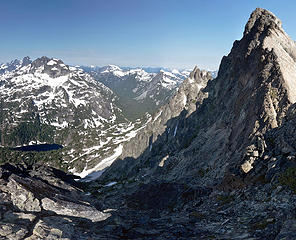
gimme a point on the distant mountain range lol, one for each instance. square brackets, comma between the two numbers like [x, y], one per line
[47, 101]
[139, 91]
[90, 111]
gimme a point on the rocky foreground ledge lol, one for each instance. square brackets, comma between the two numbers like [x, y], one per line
[38, 202]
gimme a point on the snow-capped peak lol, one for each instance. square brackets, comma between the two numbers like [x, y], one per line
[3, 66]
[111, 68]
[117, 71]
[52, 62]
[175, 71]
[140, 74]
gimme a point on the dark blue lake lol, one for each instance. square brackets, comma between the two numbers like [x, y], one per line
[39, 147]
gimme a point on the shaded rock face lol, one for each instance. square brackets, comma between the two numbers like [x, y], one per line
[163, 195]
[278, 162]
[53, 67]
[168, 131]
[183, 102]
[250, 96]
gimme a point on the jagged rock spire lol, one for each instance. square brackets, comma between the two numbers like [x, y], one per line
[261, 19]
[26, 61]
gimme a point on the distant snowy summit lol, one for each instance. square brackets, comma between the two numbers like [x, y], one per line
[14, 64]
[44, 83]
[140, 90]
[141, 74]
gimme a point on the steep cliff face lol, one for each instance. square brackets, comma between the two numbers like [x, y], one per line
[222, 134]
[184, 101]
[251, 95]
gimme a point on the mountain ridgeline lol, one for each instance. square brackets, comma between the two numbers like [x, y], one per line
[218, 161]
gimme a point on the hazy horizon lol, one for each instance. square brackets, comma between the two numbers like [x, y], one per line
[133, 33]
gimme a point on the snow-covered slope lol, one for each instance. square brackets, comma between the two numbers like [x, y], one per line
[47, 101]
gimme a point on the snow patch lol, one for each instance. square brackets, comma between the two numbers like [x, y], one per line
[157, 116]
[150, 147]
[3, 66]
[168, 74]
[142, 96]
[89, 175]
[191, 80]
[175, 71]
[51, 62]
[175, 131]
[184, 100]
[64, 124]
[110, 184]
[72, 68]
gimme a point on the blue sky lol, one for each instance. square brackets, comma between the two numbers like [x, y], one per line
[166, 33]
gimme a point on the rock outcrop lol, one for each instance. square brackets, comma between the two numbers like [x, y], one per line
[38, 202]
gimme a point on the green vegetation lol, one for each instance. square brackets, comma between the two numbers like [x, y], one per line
[261, 225]
[273, 93]
[53, 158]
[288, 178]
[224, 199]
[197, 215]
[271, 141]
[202, 172]
[28, 131]
[193, 101]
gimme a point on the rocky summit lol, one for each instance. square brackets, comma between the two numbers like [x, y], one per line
[216, 162]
